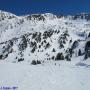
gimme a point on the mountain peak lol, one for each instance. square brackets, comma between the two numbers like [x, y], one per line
[7, 15]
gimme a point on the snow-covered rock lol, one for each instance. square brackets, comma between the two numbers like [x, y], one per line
[33, 37]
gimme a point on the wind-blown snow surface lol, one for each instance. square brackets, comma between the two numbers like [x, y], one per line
[50, 76]
[41, 37]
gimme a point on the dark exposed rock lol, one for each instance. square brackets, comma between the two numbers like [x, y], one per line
[59, 56]
[36, 17]
[23, 44]
[21, 59]
[75, 44]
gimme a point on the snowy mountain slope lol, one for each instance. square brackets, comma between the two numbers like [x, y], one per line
[59, 44]
[41, 36]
